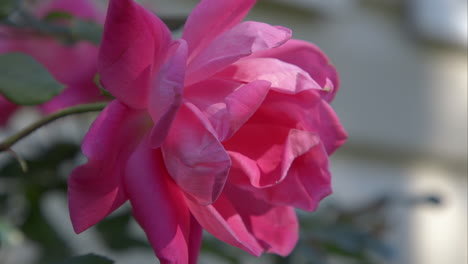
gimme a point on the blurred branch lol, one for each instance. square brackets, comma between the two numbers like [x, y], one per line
[84, 108]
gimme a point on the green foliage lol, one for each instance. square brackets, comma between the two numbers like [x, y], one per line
[24, 81]
[87, 259]
[31, 187]
[6, 7]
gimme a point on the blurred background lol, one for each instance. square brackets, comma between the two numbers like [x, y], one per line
[400, 182]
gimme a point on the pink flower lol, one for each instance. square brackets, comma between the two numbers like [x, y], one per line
[226, 129]
[73, 65]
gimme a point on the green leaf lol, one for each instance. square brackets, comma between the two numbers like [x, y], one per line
[26, 82]
[87, 259]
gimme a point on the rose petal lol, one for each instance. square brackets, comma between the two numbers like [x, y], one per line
[308, 176]
[284, 77]
[223, 222]
[242, 40]
[94, 189]
[275, 227]
[306, 111]
[158, 205]
[310, 58]
[166, 95]
[194, 157]
[210, 18]
[228, 105]
[275, 150]
[133, 47]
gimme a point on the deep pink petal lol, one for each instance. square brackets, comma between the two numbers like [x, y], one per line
[242, 40]
[223, 222]
[159, 206]
[166, 94]
[311, 59]
[210, 18]
[228, 105]
[7, 108]
[309, 177]
[133, 47]
[94, 189]
[275, 227]
[284, 77]
[276, 148]
[194, 157]
[306, 111]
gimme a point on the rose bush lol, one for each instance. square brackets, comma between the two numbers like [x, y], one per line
[73, 65]
[227, 129]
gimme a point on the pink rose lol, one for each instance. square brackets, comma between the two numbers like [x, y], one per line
[72, 65]
[227, 129]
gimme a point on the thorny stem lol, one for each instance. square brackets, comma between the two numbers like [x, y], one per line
[84, 108]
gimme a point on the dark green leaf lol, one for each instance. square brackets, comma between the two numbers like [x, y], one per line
[87, 259]
[58, 15]
[6, 7]
[26, 82]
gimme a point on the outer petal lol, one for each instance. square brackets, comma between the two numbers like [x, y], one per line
[133, 47]
[194, 157]
[222, 221]
[275, 227]
[6, 110]
[310, 58]
[211, 18]
[242, 40]
[265, 152]
[284, 77]
[228, 105]
[166, 95]
[94, 189]
[159, 207]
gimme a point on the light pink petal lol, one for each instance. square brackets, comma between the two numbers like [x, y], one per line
[159, 206]
[266, 152]
[94, 189]
[6, 110]
[309, 177]
[134, 45]
[210, 18]
[228, 105]
[242, 40]
[166, 95]
[284, 77]
[311, 59]
[194, 157]
[275, 227]
[223, 222]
